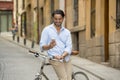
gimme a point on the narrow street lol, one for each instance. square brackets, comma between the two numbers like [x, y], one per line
[15, 63]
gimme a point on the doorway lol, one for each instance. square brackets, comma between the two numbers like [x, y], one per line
[5, 20]
[23, 25]
[75, 40]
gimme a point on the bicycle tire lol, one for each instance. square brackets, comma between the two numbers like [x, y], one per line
[80, 76]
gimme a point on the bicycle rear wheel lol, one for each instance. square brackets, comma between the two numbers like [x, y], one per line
[80, 76]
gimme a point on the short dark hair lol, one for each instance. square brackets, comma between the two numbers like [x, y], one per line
[58, 11]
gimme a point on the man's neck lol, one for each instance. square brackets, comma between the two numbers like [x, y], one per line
[57, 28]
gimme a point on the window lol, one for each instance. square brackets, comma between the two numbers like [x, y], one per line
[93, 18]
[42, 16]
[75, 40]
[23, 24]
[17, 11]
[75, 12]
[52, 8]
[118, 14]
[23, 5]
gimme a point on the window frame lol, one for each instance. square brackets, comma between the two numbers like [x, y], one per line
[92, 19]
[117, 14]
[76, 12]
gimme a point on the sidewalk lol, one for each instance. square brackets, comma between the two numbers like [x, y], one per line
[100, 71]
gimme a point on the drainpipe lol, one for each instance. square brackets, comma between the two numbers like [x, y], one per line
[38, 21]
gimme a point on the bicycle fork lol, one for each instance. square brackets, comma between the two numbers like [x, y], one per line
[40, 74]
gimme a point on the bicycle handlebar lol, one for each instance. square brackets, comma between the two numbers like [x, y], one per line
[37, 54]
[31, 51]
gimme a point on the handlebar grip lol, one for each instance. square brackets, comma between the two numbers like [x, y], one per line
[34, 52]
[31, 51]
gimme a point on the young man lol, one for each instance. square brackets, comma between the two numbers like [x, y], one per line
[56, 39]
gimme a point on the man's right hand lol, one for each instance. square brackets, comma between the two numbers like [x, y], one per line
[52, 43]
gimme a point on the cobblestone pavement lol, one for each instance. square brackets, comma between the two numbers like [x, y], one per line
[15, 64]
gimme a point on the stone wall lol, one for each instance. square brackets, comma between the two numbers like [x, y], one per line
[114, 49]
[95, 49]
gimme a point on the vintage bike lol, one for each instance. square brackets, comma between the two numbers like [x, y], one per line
[39, 76]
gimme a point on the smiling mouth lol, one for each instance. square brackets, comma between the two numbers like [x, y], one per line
[57, 23]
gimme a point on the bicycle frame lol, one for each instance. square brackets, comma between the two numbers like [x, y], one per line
[41, 70]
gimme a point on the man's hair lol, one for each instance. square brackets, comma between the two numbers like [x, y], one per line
[58, 11]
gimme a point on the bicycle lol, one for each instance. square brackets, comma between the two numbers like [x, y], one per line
[75, 75]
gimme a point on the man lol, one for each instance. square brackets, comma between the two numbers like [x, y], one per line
[56, 39]
[14, 29]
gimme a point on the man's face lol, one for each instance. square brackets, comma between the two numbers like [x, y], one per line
[58, 19]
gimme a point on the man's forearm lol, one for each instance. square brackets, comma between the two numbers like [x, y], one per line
[64, 54]
[51, 45]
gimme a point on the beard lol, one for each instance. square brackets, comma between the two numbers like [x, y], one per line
[58, 24]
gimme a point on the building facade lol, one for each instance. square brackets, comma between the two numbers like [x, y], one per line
[94, 25]
[6, 20]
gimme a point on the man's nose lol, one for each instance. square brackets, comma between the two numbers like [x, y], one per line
[57, 20]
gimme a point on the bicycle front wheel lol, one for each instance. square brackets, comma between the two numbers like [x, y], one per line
[80, 76]
[38, 78]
